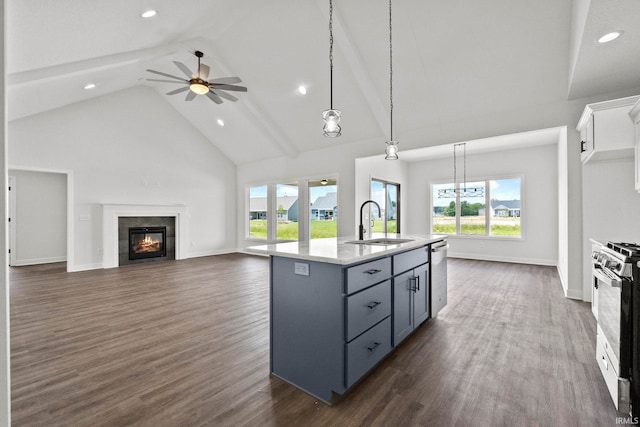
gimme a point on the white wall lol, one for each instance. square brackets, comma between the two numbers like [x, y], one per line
[5, 383]
[563, 212]
[130, 147]
[40, 219]
[611, 208]
[538, 165]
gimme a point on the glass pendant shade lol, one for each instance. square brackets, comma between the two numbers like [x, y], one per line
[199, 88]
[391, 151]
[331, 126]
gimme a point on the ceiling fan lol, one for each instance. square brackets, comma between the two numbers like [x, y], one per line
[198, 83]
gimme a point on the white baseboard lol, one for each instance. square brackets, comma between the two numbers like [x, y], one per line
[516, 260]
[243, 251]
[83, 267]
[210, 253]
[35, 261]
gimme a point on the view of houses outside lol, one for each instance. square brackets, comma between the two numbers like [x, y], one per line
[323, 211]
[386, 195]
[504, 217]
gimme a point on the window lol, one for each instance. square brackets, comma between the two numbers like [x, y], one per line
[303, 210]
[323, 209]
[287, 211]
[258, 212]
[489, 207]
[387, 195]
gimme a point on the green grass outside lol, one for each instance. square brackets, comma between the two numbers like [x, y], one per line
[289, 230]
[496, 230]
[378, 226]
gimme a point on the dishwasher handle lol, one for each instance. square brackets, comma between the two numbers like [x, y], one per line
[440, 248]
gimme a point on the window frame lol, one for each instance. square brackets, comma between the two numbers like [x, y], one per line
[487, 183]
[386, 183]
[304, 210]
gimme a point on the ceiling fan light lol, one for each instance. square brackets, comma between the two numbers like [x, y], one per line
[331, 119]
[391, 152]
[199, 88]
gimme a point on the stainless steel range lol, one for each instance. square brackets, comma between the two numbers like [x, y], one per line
[616, 273]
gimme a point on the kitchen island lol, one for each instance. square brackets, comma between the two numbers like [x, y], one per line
[339, 306]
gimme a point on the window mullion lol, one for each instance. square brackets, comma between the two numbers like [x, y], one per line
[487, 207]
[458, 208]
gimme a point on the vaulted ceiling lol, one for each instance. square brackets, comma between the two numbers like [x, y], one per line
[451, 59]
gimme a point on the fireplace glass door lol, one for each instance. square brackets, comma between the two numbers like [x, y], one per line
[147, 242]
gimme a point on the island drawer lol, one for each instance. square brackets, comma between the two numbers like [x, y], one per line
[367, 350]
[410, 259]
[367, 274]
[367, 308]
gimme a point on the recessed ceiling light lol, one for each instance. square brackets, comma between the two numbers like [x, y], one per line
[610, 36]
[89, 86]
[220, 122]
[302, 89]
[148, 14]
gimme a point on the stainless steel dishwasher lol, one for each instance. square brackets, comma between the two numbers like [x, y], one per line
[438, 276]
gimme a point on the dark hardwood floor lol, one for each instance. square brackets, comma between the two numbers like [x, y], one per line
[186, 343]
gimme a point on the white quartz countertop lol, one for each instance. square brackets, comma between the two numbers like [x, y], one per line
[338, 251]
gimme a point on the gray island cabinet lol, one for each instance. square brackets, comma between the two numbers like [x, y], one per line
[337, 309]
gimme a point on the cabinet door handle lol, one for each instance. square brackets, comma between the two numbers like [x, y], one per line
[373, 304]
[582, 144]
[372, 271]
[373, 346]
[418, 281]
[412, 286]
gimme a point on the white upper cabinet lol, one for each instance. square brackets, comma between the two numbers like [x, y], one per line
[606, 131]
[635, 119]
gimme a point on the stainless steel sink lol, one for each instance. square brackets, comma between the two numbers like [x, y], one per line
[382, 241]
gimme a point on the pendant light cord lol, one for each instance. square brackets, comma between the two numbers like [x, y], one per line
[390, 74]
[331, 53]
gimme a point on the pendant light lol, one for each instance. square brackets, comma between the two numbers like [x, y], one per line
[392, 146]
[331, 117]
[462, 190]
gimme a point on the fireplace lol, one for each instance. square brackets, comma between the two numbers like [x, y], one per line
[147, 242]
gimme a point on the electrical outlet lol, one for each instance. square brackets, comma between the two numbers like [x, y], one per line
[301, 269]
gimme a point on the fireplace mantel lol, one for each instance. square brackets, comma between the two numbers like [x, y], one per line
[111, 212]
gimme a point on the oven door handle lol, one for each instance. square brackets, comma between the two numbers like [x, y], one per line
[597, 272]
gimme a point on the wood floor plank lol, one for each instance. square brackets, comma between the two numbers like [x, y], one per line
[187, 343]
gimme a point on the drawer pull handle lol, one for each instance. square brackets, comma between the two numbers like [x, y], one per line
[372, 271]
[373, 346]
[373, 304]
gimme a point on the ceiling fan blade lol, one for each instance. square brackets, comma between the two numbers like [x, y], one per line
[224, 95]
[187, 72]
[204, 71]
[166, 75]
[226, 80]
[190, 96]
[182, 89]
[215, 98]
[228, 87]
[167, 81]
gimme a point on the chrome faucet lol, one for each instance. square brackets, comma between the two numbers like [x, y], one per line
[361, 228]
